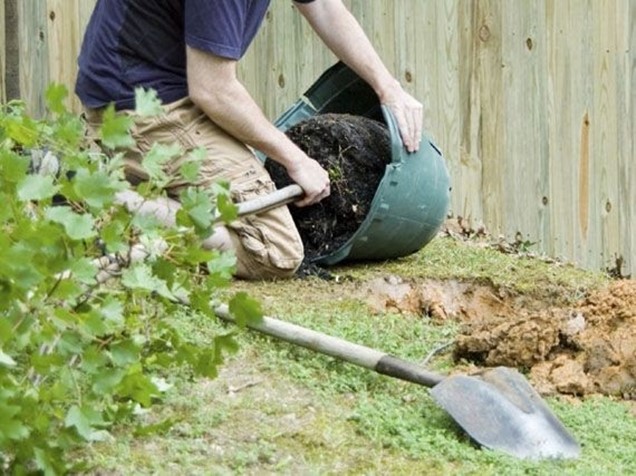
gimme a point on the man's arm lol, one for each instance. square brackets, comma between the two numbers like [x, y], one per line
[343, 35]
[214, 87]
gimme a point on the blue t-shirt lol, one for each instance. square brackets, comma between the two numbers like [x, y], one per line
[131, 43]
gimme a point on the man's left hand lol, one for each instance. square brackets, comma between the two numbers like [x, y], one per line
[409, 114]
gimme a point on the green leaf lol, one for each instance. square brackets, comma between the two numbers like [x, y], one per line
[147, 103]
[93, 325]
[189, 170]
[13, 166]
[112, 311]
[245, 309]
[55, 95]
[93, 360]
[84, 270]
[201, 216]
[36, 187]
[158, 156]
[96, 189]
[113, 236]
[68, 290]
[71, 342]
[48, 461]
[69, 131]
[227, 209]
[87, 421]
[195, 254]
[196, 210]
[146, 222]
[115, 130]
[76, 226]
[139, 387]
[21, 129]
[140, 276]
[124, 353]
[200, 301]
[105, 381]
[11, 428]
[221, 269]
[6, 360]
[23, 275]
[207, 364]
[225, 343]
[5, 211]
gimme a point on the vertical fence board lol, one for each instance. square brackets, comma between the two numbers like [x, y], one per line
[624, 259]
[526, 188]
[604, 133]
[3, 55]
[444, 21]
[63, 42]
[570, 122]
[84, 11]
[417, 69]
[628, 169]
[66, 21]
[33, 54]
[489, 44]
[11, 51]
[467, 175]
[581, 44]
[285, 59]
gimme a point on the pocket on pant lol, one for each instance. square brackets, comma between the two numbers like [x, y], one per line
[250, 229]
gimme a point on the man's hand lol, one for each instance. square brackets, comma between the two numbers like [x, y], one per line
[409, 114]
[312, 178]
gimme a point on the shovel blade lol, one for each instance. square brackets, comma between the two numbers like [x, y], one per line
[500, 410]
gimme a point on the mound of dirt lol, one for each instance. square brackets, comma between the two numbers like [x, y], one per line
[582, 349]
[590, 348]
[355, 151]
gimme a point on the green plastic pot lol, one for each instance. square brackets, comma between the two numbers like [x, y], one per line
[412, 199]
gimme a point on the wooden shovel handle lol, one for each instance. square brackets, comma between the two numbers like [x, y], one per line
[277, 198]
[356, 354]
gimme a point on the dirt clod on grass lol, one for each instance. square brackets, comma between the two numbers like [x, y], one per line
[585, 348]
[355, 151]
[598, 347]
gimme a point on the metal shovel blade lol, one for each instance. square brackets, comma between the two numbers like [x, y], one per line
[500, 410]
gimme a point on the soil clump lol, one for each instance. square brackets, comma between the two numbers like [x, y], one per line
[588, 347]
[355, 151]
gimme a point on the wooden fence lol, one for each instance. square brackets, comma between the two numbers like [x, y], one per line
[533, 102]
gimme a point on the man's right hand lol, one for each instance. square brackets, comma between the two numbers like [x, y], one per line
[313, 179]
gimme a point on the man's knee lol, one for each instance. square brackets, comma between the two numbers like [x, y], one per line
[262, 256]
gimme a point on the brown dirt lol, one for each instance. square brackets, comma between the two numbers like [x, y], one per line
[585, 348]
[601, 336]
[355, 151]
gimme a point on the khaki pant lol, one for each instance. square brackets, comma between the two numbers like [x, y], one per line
[266, 245]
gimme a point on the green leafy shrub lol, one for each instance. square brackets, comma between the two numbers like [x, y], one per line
[78, 354]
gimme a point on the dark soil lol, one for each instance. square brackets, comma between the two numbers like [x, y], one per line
[355, 151]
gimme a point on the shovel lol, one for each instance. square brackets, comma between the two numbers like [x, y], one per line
[497, 408]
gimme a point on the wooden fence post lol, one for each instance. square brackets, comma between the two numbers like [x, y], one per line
[10, 68]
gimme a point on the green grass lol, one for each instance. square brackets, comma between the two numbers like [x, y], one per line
[279, 409]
